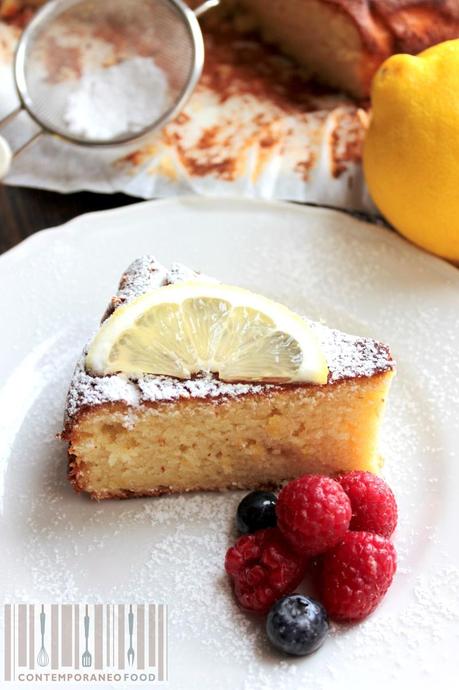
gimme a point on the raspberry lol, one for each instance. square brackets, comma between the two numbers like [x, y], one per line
[356, 575]
[263, 569]
[313, 513]
[373, 504]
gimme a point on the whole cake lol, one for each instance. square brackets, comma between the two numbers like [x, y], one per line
[343, 42]
[153, 434]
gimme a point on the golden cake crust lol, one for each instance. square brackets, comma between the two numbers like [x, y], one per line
[345, 41]
[405, 26]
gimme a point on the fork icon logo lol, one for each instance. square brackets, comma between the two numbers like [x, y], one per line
[83, 643]
[86, 658]
[130, 653]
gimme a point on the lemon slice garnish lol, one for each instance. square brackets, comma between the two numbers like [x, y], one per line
[195, 327]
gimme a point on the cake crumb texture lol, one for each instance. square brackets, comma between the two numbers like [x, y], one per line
[251, 441]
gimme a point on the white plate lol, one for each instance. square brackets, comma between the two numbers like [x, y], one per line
[58, 546]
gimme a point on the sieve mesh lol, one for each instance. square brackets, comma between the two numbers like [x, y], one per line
[73, 43]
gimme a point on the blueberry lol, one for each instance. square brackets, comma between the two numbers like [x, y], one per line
[297, 625]
[256, 511]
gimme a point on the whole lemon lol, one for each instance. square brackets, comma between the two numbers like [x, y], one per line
[411, 150]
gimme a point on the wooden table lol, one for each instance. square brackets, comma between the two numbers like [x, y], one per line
[24, 211]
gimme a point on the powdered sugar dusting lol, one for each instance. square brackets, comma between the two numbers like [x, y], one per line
[165, 388]
[347, 356]
[145, 274]
[350, 356]
[87, 390]
[92, 390]
[136, 89]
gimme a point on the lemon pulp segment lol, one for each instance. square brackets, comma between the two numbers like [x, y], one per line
[193, 328]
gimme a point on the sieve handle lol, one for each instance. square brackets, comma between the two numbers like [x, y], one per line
[6, 153]
[6, 156]
[205, 6]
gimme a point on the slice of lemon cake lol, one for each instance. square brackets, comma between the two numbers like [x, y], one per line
[194, 385]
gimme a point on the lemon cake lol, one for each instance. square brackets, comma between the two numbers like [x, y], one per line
[149, 434]
[343, 42]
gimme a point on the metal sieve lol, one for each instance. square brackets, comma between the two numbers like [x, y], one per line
[71, 41]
